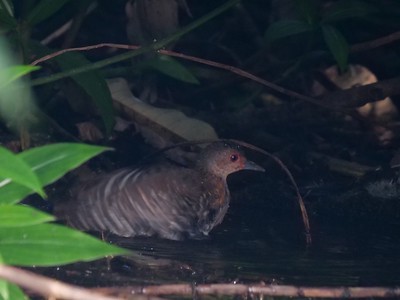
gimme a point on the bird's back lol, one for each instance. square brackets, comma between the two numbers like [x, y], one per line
[165, 200]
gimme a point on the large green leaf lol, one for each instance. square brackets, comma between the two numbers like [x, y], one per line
[337, 45]
[13, 193]
[4, 290]
[8, 75]
[347, 9]
[51, 244]
[172, 68]
[15, 169]
[93, 84]
[43, 10]
[49, 162]
[9, 291]
[286, 28]
[19, 216]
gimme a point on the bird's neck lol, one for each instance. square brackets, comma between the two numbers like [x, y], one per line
[211, 172]
[216, 187]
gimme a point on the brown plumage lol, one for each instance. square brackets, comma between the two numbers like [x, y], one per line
[166, 200]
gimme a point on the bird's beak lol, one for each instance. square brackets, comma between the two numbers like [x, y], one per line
[249, 165]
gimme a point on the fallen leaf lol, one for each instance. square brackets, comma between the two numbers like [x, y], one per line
[161, 127]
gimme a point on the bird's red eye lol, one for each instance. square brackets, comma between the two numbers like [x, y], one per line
[234, 157]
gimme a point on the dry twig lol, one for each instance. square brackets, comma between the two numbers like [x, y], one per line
[395, 36]
[55, 289]
[49, 287]
[254, 290]
[337, 100]
[229, 68]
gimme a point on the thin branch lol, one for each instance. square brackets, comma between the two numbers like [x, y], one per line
[229, 68]
[55, 289]
[49, 287]
[376, 43]
[302, 206]
[358, 96]
[85, 48]
[337, 100]
[148, 48]
[253, 290]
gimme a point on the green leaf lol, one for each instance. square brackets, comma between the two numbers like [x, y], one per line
[17, 170]
[43, 10]
[93, 84]
[11, 74]
[286, 28]
[18, 216]
[337, 45]
[8, 6]
[91, 81]
[13, 193]
[347, 9]
[172, 68]
[4, 290]
[307, 10]
[51, 244]
[49, 162]
[7, 19]
[9, 291]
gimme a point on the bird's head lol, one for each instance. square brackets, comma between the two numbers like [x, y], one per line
[222, 159]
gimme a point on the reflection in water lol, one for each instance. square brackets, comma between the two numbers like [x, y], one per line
[344, 257]
[257, 244]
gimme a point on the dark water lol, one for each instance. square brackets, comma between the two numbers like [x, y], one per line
[341, 255]
[262, 242]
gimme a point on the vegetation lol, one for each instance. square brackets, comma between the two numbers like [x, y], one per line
[198, 58]
[27, 236]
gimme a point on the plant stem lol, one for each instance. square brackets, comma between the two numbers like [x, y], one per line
[152, 47]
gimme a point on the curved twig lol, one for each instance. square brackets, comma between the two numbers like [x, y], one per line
[302, 206]
[229, 68]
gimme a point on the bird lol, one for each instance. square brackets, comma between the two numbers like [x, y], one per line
[167, 200]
